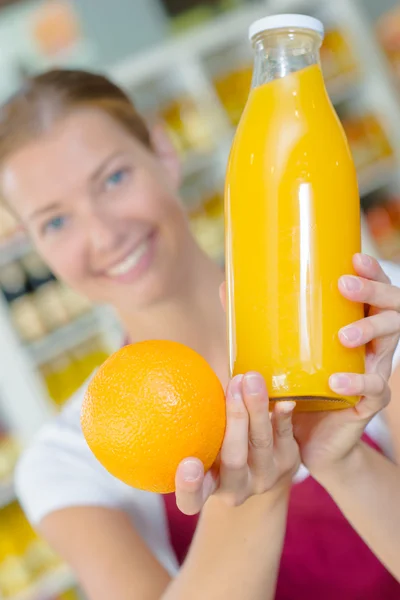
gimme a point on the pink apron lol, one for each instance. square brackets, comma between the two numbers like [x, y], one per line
[323, 557]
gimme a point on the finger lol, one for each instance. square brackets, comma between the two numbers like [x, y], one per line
[371, 404]
[282, 422]
[261, 441]
[222, 294]
[234, 451]
[286, 448]
[372, 385]
[386, 323]
[369, 267]
[381, 295]
[189, 481]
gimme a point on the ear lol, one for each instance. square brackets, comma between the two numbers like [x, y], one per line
[166, 153]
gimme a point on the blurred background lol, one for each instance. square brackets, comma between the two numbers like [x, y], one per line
[187, 63]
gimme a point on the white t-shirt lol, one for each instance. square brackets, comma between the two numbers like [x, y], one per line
[59, 471]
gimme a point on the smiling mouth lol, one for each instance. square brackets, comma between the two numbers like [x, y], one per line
[131, 260]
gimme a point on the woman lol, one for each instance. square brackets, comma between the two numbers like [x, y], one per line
[99, 198]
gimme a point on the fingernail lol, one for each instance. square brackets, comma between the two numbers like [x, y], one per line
[351, 283]
[340, 381]
[235, 388]
[253, 383]
[286, 406]
[351, 334]
[366, 260]
[191, 470]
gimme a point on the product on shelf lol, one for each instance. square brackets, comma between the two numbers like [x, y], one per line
[368, 141]
[337, 57]
[64, 374]
[26, 319]
[231, 72]
[207, 224]
[59, 377]
[24, 556]
[13, 281]
[9, 453]
[38, 556]
[38, 302]
[382, 211]
[23, 312]
[14, 574]
[168, 102]
[75, 304]
[90, 354]
[388, 34]
[57, 304]
[232, 89]
[36, 270]
[203, 196]
[187, 127]
[8, 224]
[50, 306]
[69, 595]
[55, 27]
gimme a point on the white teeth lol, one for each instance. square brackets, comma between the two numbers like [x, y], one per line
[130, 261]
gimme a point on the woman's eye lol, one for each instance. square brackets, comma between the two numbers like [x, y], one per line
[54, 224]
[115, 178]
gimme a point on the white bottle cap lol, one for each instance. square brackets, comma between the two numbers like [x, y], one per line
[286, 22]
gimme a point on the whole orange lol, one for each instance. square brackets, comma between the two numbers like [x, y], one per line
[149, 406]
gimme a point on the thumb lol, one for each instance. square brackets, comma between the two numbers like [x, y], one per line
[222, 294]
[189, 480]
[192, 487]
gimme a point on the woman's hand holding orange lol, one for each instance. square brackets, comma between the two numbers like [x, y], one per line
[258, 454]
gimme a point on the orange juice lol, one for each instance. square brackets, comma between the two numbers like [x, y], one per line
[292, 227]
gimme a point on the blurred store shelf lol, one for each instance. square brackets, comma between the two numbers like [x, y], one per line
[221, 31]
[193, 65]
[343, 88]
[14, 248]
[49, 586]
[64, 338]
[376, 176]
[7, 493]
[196, 162]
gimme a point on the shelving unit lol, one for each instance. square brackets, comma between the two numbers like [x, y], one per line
[372, 83]
[183, 64]
[55, 583]
[7, 494]
[184, 61]
[66, 338]
[14, 249]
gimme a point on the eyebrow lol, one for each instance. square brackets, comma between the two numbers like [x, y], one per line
[103, 165]
[41, 211]
[93, 177]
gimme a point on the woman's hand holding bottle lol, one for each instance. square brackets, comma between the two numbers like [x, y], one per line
[328, 440]
[363, 483]
[260, 451]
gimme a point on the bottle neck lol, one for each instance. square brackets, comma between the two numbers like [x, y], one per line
[279, 53]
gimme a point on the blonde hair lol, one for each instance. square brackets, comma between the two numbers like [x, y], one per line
[51, 95]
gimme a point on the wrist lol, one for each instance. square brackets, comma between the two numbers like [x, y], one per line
[341, 471]
[274, 499]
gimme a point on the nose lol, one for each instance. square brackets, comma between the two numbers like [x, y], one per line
[101, 233]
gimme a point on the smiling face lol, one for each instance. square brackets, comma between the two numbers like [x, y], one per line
[102, 209]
